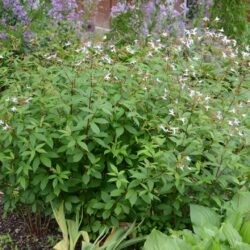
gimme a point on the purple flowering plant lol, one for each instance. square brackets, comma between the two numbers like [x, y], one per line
[153, 16]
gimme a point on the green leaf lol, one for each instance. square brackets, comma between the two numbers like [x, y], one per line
[159, 241]
[131, 196]
[245, 231]
[131, 130]
[23, 182]
[77, 156]
[46, 161]
[203, 216]
[241, 201]
[94, 128]
[231, 234]
[83, 145]
[100, 121]
[119, 131]
[44, 183]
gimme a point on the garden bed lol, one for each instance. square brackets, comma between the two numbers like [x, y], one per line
[14, 234]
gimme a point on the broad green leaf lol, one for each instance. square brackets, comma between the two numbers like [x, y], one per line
[159, 241]
[204, 216]
[241, 202]
[245, 231]
[231, 234]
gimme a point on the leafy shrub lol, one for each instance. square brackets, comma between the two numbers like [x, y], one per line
[138, 132]
[209, 232]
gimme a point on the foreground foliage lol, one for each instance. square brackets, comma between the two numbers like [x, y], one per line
[209, 232]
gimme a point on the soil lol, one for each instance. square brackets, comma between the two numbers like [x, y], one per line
[15, 234]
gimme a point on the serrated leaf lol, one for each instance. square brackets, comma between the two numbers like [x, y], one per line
[44, 183]
[46, 161]
[77, 156]
[119, 131]
[94, 128]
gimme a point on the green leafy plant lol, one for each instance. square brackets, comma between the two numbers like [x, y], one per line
[209, 232]
[138, 132]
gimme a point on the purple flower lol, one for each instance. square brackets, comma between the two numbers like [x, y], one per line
[27, 36]
[149, 8]
[17, 10]
[118, 9]
[3, 36]
[65, 10]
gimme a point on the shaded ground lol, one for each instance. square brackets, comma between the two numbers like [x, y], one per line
[15, 234]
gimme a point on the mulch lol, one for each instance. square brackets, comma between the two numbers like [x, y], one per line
[14, 227]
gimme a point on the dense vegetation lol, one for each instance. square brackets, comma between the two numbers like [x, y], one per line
[118, 134]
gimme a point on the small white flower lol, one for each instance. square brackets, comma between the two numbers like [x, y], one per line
[164, 34]
[79, 63]
[174, 129]
[149, 54]
[183, 119]
[163, 128]
[230, 122]
[236, 122]
[67, 43]
[207, 107]
[207, 98]
[1, 57]
[13, 109]
[82, 49]
[192, 93]
[113, 49]
[6, 127]
[107, 77]
[219, 115]
[1, 122]
[224, 55]
[173, 67]
[171, 112]
[233, 110]
[241, 133]
[51, 57]
[233, 55]
[14, 99]
[89, 44]
[28, 100]
[205, 19]
[217, 19]
[188, 158]
[186, 72]
[130, 50]
[133, 62]
[107, 59]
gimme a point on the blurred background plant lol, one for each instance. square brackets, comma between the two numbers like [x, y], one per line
[233, 18]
